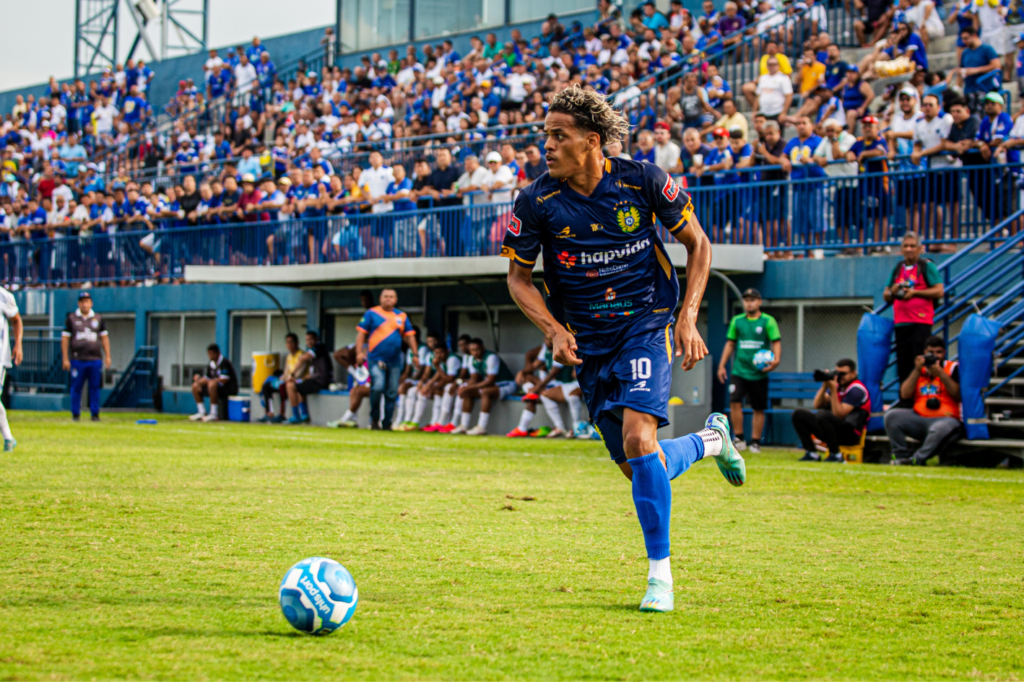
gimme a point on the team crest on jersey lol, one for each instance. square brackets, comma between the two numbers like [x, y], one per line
[610, 294]
[670, 190]
[565, 259]
[628, 218]
[515, 226]
[95, 324]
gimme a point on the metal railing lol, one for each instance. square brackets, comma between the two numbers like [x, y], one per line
[855, 213]
[139, 381]
[868, 211]
[40, 369]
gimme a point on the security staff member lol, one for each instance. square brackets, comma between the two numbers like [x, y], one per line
[85, 347]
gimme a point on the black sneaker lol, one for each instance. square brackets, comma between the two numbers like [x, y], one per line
[95, 417]
[835, 457]
[76, 418]
[810, 457]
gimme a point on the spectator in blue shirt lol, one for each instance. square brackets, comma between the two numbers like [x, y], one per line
[73, 155]
[254, 51]
[872, 154]
[653, 18]
[134, 109]
[980, 70]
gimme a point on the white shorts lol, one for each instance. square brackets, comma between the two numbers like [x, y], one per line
[569, 386]
[506, 389]
[150, 241]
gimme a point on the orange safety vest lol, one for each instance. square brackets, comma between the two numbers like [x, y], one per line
[932, 387]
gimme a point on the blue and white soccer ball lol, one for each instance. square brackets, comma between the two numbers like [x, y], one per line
[762, 359]
[318, 596]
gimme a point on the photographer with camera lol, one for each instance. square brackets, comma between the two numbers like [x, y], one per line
[843, 407]
[934, 388]
[914, 287]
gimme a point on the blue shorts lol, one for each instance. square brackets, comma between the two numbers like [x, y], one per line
[637, 375]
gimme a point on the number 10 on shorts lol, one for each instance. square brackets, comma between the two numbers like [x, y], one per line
[641, 368]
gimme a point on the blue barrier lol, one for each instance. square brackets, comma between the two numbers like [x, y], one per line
[856, 213]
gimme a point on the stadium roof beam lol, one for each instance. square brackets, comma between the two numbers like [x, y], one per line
[95, 35]
[184, 29]
[731, 258]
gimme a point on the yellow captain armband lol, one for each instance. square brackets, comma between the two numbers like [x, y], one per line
[509, 252]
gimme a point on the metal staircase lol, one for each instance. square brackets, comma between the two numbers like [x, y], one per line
[986, 277]
[139, 383]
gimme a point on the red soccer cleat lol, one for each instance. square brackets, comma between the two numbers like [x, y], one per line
[517, 433]
[531, 397]
[431, 428]
[447, 428]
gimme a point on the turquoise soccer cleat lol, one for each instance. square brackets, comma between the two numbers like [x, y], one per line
[659, 596]
[730, 462]
[10, 444]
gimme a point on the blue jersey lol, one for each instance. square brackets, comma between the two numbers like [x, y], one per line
[990, 131]
[606, 271]
[799, 152]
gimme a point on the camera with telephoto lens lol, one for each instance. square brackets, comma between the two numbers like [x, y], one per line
[930, 359]
[824, 375]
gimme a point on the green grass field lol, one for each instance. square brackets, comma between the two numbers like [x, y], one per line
[155, 552]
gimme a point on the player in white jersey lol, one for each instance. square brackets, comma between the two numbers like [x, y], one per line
[409, 421]
[11, 318]
[359, 385]
[452, 389]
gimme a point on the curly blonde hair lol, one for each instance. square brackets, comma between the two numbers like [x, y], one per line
[591, 112]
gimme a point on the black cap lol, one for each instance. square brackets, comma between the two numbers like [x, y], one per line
[83, 294]
[751, 293]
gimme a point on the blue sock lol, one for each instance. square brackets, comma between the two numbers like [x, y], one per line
[680, 453]
[652, 496]
[303, 410]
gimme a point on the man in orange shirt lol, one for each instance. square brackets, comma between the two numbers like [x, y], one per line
[934, 388]
[379, 337]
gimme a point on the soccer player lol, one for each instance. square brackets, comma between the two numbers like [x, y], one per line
[359, 386]
[449, 402]
[220, 380]
[490, 380]
[415, 400]
[612, 292]
[447, 366]
[749, 333]
[317, 361]
[11, 318]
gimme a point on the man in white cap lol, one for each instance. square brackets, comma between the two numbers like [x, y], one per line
[499, 179]
[900, 139]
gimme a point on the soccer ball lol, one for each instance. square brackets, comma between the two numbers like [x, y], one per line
[762, 359]
[318, 596]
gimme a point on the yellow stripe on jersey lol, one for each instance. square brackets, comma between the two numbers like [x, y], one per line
[687, 214]
[668, 343]
[663, 259]
[509, 252]
[607, 165]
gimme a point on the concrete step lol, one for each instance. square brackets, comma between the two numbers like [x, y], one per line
[1000, 400]
[945, 44]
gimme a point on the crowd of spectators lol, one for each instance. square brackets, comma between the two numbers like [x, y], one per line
[284, 149]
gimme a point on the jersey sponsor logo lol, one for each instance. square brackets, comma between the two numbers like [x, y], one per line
[640, 386]
[564, 234]
[670, 190]
[628, 218]
[605, 257]
[610, 270]
[515, 225]
[620, 183]
[611, 304]
[596, 227]
[541, 200]
[566, 259]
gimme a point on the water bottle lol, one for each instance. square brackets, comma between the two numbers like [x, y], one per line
[696, 396]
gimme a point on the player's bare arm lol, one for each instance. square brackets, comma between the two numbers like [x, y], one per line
[531, 302]
[688, 342]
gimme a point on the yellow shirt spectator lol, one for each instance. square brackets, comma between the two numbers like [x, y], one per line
[810, 76]
[784, 65]
[292, 361]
